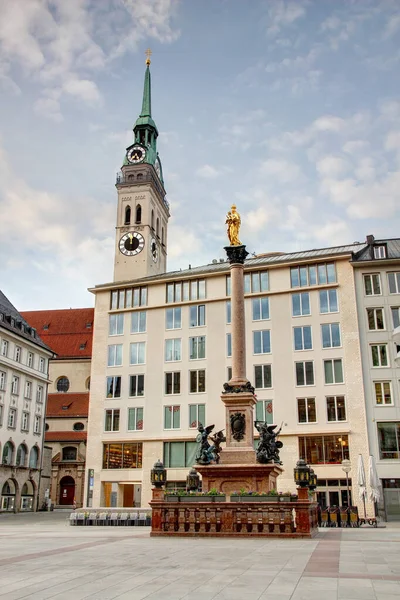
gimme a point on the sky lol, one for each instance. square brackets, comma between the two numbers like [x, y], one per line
[288, 108]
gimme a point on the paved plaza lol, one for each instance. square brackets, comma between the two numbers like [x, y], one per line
[42, 556]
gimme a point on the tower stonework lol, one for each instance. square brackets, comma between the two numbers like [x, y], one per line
[143, 211]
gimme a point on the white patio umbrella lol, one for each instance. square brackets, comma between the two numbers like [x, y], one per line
[362, 482]
[374, 481]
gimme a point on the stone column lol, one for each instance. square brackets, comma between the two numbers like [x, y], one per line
[238, 326]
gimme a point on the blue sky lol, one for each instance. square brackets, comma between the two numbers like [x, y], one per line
[290, 109]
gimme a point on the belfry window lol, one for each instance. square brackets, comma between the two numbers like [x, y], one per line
[128, 215]
[138, 214]
[162, 235]
[158, 227]
[152, 219]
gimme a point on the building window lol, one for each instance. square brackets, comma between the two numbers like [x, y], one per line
[197, 315]
[375, 319]
[15, 385]
[62, 384]
[197, 347]
[396, 316]
[383, 393]
[28, 389]
[37, 424]
[389, 440]
[379, 355]
[78, 427]
[4, 348]
[127, 215]
[122, 456]
[197, 415]
[116, 324]
[172, 417]
[263, 376]
[324, 449]
[228, 345]
[113, 387]
[135, 419]
[39, 393]
[8, 451]
[197, 381]
[305, 373]
[228, 312]
[372, 284]
[42, 365]
[69, 453]
[229, 373]
[138, 322]
[312, 275]
[262, 341]
[333, 369]
[264, 411]
[228, 285]
[21, 456]
[25, 421]
[182, 291]
[328, 301]
[394, 283]
[138, 214]
[173, 318]
[114, 355]
[18, 352]
[301, 304]
[306, 410]
[2, 380]
[257, 281]
[34, 458]
[29, 361]
[302, 338]
[173, 349]
[330, 335]
[379, 251]
[172, 383]
[128, 298]
[137, 353]
[136, 385]
[111, 419]
[179, 454]
[335, 408]
[260, 308]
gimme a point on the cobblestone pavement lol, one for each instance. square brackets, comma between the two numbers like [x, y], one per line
[42, 556]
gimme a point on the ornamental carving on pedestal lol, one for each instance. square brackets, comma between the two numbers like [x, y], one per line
[237, 389]
[238, 426]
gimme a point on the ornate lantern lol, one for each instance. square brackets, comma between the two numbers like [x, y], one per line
[313, 480]
[158, 474]
[193, 480]
[302, 473]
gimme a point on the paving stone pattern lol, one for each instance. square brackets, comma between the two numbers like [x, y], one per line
[43, 557]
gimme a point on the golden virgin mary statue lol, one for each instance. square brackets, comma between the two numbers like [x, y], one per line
[233, 221]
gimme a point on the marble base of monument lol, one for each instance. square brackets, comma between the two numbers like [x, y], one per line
[230, 478]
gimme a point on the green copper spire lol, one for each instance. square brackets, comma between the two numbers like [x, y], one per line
[146, 104]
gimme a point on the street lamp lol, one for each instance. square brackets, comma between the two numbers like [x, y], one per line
[192, 481]
[346, 467]
[158, 474]
[302, 473]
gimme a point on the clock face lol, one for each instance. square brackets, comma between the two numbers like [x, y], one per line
[154, 249]
[136, 155]
[131, 243]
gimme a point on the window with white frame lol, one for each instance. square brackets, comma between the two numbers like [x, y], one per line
[394, 282]
[12, 418]
[197, 415]
[379, 251]
[29, 360]
[135, 419]
[197, 381]
[264, 411]
[263, 376]
[42, 365]
[28, 389]
[25, 421]
[137, 353]
[379, 355]
[375, 319]
[260, 307]
[383, 393]
[18, 352]
[229, 373]
[15, 385]
[39, 393]
[304, 373]
[136, 385]
[114, 355]
[257, 281]
[228, 345]
[331, 335]
[333, 370]
[173, 350]
[262, 341]
[138, 321]
[4, 348]
[111, 422]
[113, 387]
[306, 411]
[312, 275]
[182, 291]
[336, 408]
[301, 304]
[197, 347]
[128, 298]
[116, 324]
[372, 284]
[197, 315]
[228, 312]
[395, 316]
[37, 426]
[1, 415]
[172, 417]
[173, 318]
[302, 338]
[172, 383]
[328, 301]
[3, 379]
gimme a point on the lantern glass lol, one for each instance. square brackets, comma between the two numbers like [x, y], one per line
[302, 473]
[158, 474]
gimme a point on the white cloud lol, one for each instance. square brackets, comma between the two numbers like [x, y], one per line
[282, 13]
[393, 25]
[83, 89]
[207, 171]
[280, 170]
[331, 166]
[392, 141]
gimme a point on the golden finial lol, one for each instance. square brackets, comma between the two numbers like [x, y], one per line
[148, 53]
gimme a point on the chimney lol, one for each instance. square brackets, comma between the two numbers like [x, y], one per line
[370, 240]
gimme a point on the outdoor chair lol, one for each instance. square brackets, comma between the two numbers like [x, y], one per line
[72, 518]
[114, 518]
[325, 518]
[142, 519]
[334, 516]
[344, 517]
[80, 519]
[92, 519]
[123, 520]
[354, 520]
[134, 518]
[102, 518]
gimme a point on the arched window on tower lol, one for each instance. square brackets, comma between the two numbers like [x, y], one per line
[162, 235]
[152, 219]
[138, 214]
[158, 227]
[128, 215]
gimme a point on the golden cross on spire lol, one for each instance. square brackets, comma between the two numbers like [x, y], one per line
[148, 53]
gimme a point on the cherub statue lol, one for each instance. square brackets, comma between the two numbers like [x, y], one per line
[218, 438]
[233, 221]
[268, 446]
[205, 452]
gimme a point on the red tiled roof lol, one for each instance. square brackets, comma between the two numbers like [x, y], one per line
[65, 436]
[64, 331]
[75, 405]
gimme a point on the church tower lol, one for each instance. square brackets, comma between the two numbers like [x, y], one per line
[143, 211]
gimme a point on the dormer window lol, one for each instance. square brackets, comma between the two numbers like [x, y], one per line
[1, 317]
[379, 251]
[82, 346]
[88, 325]
[46, 325]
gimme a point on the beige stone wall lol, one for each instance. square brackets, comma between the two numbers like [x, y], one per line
[77, 371]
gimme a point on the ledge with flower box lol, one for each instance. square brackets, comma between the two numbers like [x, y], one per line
[181, 496]
[243, 496]
[271, 496]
